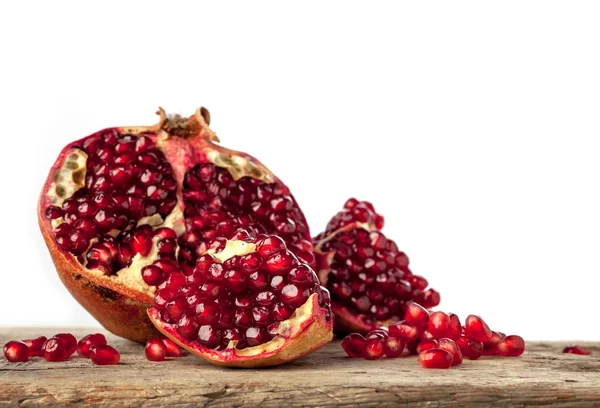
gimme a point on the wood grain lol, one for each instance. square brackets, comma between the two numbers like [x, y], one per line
[543, 376]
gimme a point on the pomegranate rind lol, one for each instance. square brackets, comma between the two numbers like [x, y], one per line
[305, 332]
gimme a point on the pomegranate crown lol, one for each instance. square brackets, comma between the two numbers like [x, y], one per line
[197, 124]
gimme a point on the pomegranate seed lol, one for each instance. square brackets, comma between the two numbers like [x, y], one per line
[404, 331]
[173, 350]
[416, 315]
[393, 347]
[70, 342]
[450, 346]
[165, 233]
[16, 351]
[101, 354]
[435, 358]
[454, 327]
[471, 349]
[153, 275]
[83, 346]
[511, 346]
[575, 349]
[477, 329]
[374, 348]
[439, 324]
[155, 350]
[427, 344]
[354, 344]
[35, 346]
[54, 349]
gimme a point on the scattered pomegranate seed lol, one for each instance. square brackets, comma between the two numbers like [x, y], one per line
[477, 329]
[427, 344]
[173, 350]
[575, 349]
[35, 346]
[435, 358]
[155, 350]
[439, 324]
[416, 315]
[102, 354]
[83, 347]
[54, 349]
[70, 342]
[496, 338]
[354, 344]
[404, 331]
[16, 351]
[450, 346]
[471, 349]
[374, 348]
[454, 328]
[511, 346]
[393, 347]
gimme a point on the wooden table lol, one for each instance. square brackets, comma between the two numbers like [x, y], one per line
[542, 376]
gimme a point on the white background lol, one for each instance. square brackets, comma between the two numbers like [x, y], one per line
[473, 127]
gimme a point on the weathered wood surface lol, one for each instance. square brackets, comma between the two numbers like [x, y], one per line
[543, 376]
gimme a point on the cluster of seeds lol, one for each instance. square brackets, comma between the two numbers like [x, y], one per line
[438, 338]
[159, 349]
[242, 299]
[60, 347]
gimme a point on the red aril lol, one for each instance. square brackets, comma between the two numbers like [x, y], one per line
[16, 351]
[427, 344]
[69, 340]
[155, 350]
[454, 327]
[575, 349]
[353, 344]
[511, 346]
[367, 275]
[87, 342]
[438, 325]
[477, 329]
[55, 349]
[173, 350]
[404, 331]
[393, 347]
[35, 346]
[416, 315]
[110, 198]
[102, 354]
[450, 346]
[470, 348]
[374, 348]
[435, 358]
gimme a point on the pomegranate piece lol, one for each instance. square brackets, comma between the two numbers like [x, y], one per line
[16, 351]
[438, 325]
[244, 294]
[35, 346]
[354, 344]
[374, 348]
[155, 350]
[471, 349]
[393, 347]
[55, 349]
[454, 328]
[427, 344]
[477, 329]
[86, 342]
[153, 199]
[496, 338]
[102, 354]
[575, 349]
[511, 346]
[367, 275]
[435, 358]
[404, 331]
[70, 342]
[450, 346]
[173, 350]
[416, 315]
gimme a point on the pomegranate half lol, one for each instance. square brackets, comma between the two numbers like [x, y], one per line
[369, 278]
[124, 208]
[248, 303]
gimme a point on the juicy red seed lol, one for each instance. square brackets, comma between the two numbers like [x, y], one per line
[165, 233]
[168, 245]
[511, 346]
[155, 350]
[418, 282]
[99, 253]
[354, 344]
[495, 339]
[270, 245]
[450, 346]
[53, 212]
[435, 358]
[35, 345]
[16, 351]
[477, 329]
[374, 348]
[209, 336]
[404, 331]
[416, 315]
[393, 347]
[454, 327]
[141, 240]
[187, 327]
[54, 349]
[102, 354]
[439, 324]
[470, 349]
[575, 349]
[83, 346]
[281, 262]
[173, 350]
[69, 340]
[168, 266]
[153, 275]
[427, 344]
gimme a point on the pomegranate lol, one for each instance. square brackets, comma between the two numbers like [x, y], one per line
[125, 207]
[368, 277]
[248, 302]
[16, 351]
